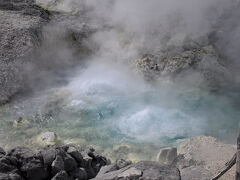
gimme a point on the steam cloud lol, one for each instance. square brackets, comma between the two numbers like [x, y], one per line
[125, 30]
[121, 32]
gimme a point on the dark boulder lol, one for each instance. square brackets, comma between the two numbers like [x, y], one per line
[69, 163]
[79, 174]
[2, 152]
[21, 153]
[8, 164]
[30, 165]
[57, 165]
[61, 176]
[48, 155]
[89, 167]
[97, 159]
[34, 170]
[75, 154]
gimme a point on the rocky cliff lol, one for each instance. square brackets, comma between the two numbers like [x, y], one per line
[21, 23]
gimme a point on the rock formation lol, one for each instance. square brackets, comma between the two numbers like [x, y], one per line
[144, 170]
[203, 157]
[21, 23]
[51, 162]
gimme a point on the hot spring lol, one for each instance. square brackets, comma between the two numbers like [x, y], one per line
[100, 100]
[109, 109]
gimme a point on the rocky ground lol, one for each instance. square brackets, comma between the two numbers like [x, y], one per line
[66, 163]
[50, 163]
[203, 157]
[21, 25]
[198, 158]
[142, 170]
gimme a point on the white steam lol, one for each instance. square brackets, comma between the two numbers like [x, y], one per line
[124, 30]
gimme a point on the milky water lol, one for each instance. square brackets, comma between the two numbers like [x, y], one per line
[109, 108]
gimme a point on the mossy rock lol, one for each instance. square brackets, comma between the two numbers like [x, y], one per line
[21, 123]
[48, 138]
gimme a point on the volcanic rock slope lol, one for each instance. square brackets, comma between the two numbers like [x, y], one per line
[20, 23]
[67, 163]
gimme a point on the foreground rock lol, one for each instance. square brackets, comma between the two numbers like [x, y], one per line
[50, 163]
[67, 163]
[203, 157]
[20, 23]
[144, 170]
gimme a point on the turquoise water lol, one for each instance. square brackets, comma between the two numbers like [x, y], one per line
[121, 117]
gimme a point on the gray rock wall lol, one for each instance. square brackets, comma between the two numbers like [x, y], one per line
[20, 24]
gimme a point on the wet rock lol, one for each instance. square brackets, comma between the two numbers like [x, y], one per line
[167, 155]
[61, 176]
[47, 138]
